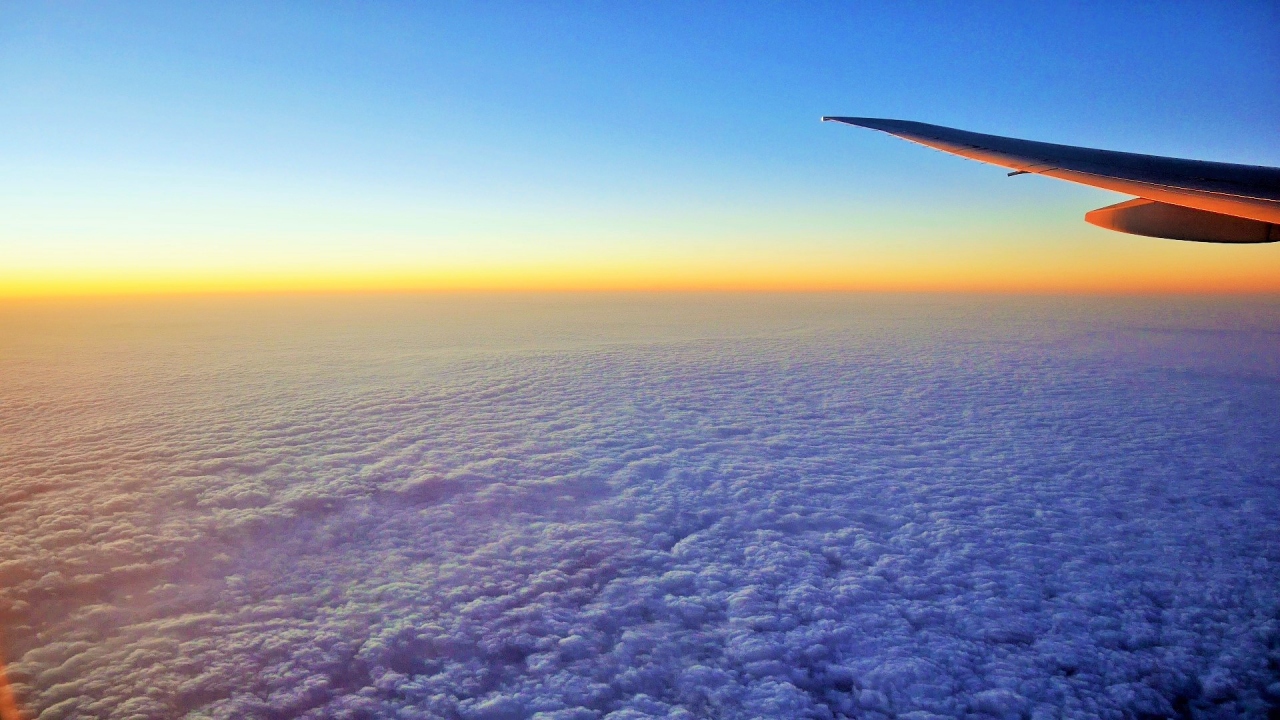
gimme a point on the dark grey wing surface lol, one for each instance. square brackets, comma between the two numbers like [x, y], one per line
[1241, 192]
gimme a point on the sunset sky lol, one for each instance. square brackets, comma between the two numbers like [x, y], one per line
[153, 147]
[554, 361]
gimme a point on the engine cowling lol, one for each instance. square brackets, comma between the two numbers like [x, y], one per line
[1156, 219]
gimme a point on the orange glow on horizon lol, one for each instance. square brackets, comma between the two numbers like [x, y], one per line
[1154, 278]
[1018, 254]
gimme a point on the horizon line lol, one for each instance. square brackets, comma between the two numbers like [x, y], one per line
[264, 292]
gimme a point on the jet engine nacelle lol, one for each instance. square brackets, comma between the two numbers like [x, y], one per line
[1156, 219]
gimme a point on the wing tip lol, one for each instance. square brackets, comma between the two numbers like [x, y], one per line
[882, 124]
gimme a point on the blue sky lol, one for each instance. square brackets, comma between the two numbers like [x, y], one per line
[576, 135]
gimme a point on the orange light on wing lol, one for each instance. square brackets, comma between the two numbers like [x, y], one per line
[8, 701]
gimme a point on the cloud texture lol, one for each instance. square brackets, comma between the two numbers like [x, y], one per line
[835, 512]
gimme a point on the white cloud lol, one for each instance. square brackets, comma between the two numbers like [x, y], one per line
[742, 528]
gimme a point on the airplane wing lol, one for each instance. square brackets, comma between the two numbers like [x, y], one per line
[1176, 198]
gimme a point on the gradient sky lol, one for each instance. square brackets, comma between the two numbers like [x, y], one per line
[222, 146]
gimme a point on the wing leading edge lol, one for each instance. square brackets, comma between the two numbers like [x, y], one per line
[1176, 198]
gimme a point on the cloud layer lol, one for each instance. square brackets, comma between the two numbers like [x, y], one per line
[816, 518]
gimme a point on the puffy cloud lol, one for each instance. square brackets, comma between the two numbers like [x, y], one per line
[848, 521]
